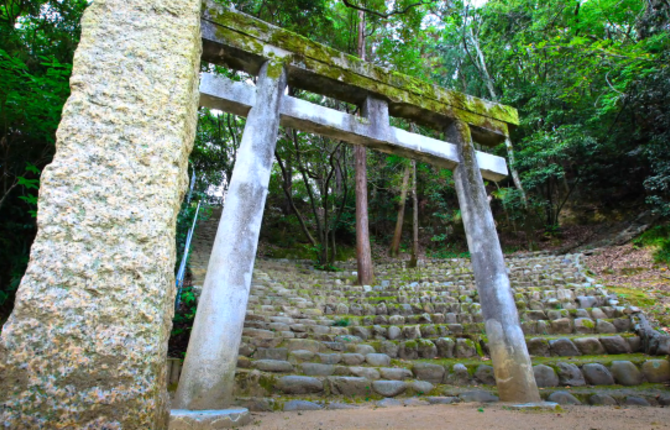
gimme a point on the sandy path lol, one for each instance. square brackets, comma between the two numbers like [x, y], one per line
[466, 416]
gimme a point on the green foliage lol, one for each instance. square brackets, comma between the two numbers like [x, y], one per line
[659, 239]
[342, 322]
[37, 41]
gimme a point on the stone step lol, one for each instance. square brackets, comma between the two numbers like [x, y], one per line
[587, 396]
[267, 377]
[443, 347]
[261, 331]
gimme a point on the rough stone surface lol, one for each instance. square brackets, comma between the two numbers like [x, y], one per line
[317, 369]
[364, 372]
[349, 385]
[626, 373]
[564, 347]
[539, 347]
[589, 346]
[301, 405]
[442, 400]
[656, 371]
[414, 402]
[353, 359]
[484, 374]
[389, 388]
[478, 396]
[602, 399]
[597, 374]
[397, 374]
[299, 385]
[378, 359]
[208, 420]
[421, 387]
[636, 401]
[459, 375]
[273, 365]
[388, 403]
[615, 345]
[99, 288]
[569, 374]
[563, 398]
[429, 372]
[545, 376]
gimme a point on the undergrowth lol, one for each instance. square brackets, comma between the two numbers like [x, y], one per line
[658, 238]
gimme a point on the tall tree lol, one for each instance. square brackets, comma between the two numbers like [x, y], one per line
[397, 233]
[414, 260]
[363, 251]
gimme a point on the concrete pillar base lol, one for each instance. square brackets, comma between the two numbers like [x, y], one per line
[182, 419]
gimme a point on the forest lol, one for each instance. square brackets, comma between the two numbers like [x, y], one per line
[590, 79]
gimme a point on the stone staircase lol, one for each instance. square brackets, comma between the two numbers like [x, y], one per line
[313, 339]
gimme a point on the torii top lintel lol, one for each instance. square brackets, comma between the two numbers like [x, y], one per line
[242, 42]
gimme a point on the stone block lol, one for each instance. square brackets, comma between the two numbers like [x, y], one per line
[378, 360]
[484, 374]
[395, 373]
[538, 346]
[602, 400]
[271, 354]
[597, 374]
[656, 371]
[299, 385]
[301, 405]
[626, 373]
[615, 345]
[478, 396]
[304, 345]
[421, 387]
[545, 376]
[603, 327]
[561, 326]
[389, 388]
[349, 386]
[273, 366]
[433, 373]
[317, 369]
[563, 398]
[569, 374]
[465, 348]
[445, 347]
[584, 325]
[426, 348]
[368, 373]
[564, 348]
[589, 345]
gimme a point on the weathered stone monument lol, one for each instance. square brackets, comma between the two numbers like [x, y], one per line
[86, 344]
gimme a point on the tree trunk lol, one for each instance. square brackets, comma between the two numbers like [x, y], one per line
[397, 235]
[363, 252]
[413, 262]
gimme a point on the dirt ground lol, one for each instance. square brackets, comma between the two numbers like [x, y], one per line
[466, 416]
[631, 273]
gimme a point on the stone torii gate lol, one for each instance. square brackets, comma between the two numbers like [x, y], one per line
[85, 346]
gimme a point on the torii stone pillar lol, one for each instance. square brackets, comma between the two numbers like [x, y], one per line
[511, 363]
[208, 377]
[86, 344]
